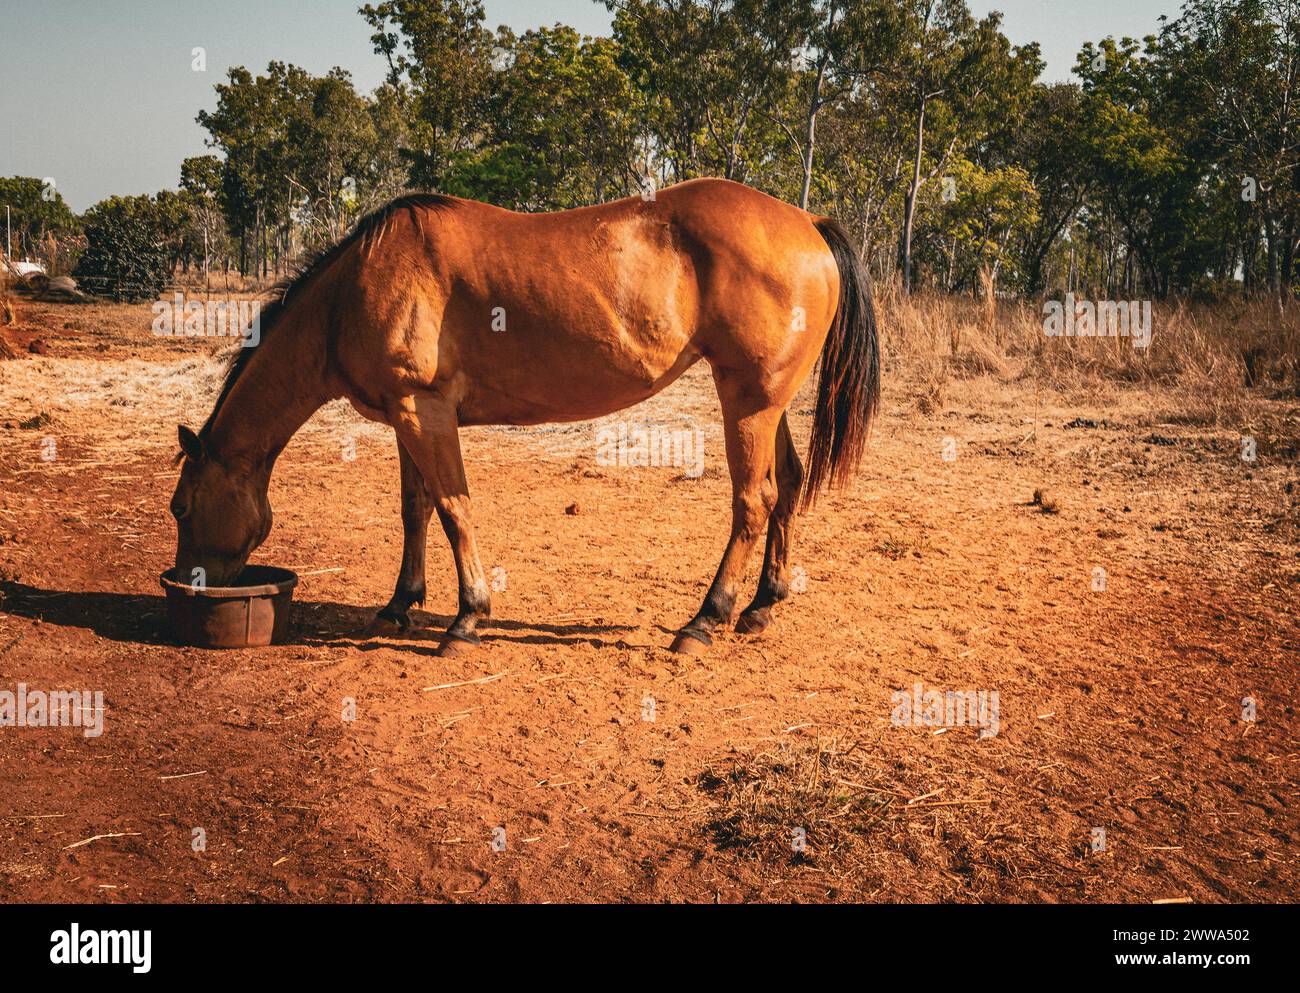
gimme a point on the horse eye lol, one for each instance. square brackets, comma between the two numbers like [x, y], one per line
[179, 510]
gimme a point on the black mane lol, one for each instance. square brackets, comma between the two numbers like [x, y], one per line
[369, 230]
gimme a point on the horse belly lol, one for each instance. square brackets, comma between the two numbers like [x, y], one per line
[579, 350]
[556, 374]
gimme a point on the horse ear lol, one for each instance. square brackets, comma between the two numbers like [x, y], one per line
[191, 444]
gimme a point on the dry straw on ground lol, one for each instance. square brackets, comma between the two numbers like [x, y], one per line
[835, 809]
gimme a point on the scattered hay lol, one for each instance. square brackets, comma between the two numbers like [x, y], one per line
[861, 818]
[799, 804]
[132, 404]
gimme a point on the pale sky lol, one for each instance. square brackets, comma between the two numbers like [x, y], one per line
[100, 94]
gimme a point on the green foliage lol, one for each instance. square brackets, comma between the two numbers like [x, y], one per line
[36, 212]
[201, 175]
[1130, 180]
[972, 227]
[563, 116]
[304, 156]
[127, 256]
[710, 73]
[440, 62]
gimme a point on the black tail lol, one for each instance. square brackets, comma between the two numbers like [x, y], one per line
[848, 389]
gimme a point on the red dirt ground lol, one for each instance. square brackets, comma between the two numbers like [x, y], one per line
[1119, 709]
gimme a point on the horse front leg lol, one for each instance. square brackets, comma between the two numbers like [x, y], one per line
[417, 508]
[427, 428]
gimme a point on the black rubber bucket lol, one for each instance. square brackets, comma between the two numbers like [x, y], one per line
[254, 612]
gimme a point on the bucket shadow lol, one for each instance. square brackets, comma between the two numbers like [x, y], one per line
[113, 616]
[142, 619]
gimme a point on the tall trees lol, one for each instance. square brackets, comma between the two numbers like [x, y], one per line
[245, 126]
[969, 235]
[956, 77]
[841, 43]
[561, 127]
[303, 156]
[709, 70]
[201, 182]
[440, 64]
[1235, 64]
[1134, 154]
[1047, 147]
[1172, 165]
[35, 212]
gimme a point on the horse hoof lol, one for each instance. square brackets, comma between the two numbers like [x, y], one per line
[686, 644]
[754, 621]
[453, 645]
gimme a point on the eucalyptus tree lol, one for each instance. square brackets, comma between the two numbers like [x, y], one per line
[1235, 66]
[561, 128]
[710, 71]
[441, 61]
[954, 77]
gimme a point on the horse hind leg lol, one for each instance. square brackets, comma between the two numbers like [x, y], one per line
[417, 509]
[750, 426]
[773, 585]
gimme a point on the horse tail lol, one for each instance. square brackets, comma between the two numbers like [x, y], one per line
[848, 387]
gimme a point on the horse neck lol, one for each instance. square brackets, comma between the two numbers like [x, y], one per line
[281, 387]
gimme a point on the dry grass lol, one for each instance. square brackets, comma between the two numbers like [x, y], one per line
[799, 804]
[222, 283]
[8, 314]
[1214, 354]
[862, 817]
[132, 404]
[1206, 366]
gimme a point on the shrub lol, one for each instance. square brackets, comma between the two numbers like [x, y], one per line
[126, 256]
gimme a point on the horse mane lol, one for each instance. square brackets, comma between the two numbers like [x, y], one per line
[369, 231]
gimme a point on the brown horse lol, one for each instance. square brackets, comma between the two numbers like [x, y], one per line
[437, 312]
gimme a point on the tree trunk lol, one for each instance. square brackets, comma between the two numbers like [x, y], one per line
[909, 204]
[810, 133]
[1274, 258]
[1288, 260]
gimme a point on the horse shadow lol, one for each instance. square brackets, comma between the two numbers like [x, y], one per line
[142, 619]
